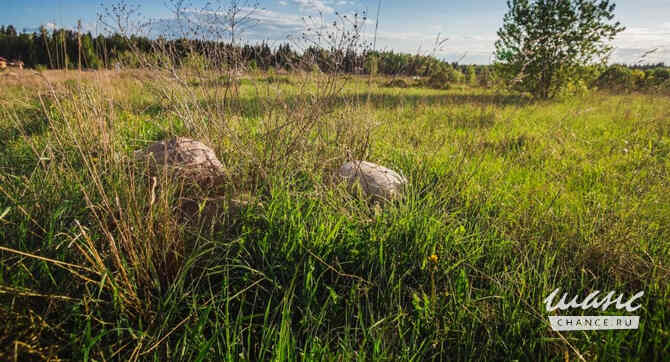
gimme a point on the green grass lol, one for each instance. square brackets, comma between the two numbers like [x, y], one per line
[514, 197]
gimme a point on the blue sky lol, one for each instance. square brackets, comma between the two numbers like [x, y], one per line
[408, 26]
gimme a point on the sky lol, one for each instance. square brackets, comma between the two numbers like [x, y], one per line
[469, 27]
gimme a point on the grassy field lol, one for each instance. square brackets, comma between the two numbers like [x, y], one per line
[508, 199]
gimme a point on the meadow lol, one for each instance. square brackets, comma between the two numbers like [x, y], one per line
[508, 199]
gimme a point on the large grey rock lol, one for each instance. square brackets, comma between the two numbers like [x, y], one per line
[186, 158]
[375, 180]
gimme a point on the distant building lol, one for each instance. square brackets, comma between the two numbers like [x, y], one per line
[17, 64]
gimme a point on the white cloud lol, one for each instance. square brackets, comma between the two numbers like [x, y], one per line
[85, 28]
[634, 45]
[261, 25]
[314, 6]
[279, 26]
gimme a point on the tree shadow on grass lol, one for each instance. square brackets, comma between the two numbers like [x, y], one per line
[257, 106]
[32, 123]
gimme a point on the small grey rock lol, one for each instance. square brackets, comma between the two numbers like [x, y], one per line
[377, 181]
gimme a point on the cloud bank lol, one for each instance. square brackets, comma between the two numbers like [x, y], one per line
[279, 26]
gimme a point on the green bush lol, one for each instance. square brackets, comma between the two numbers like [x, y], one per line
[657, 76]
[617, 77]
[195, 62]
[438, 80]
[274, 79]
[486, 78]
[471, 75]
[397, 83]
[455, 76]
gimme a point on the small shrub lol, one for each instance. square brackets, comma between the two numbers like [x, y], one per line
[195, 62]
[252, 65]
[472, 76]
[455, 76]
[277, 80]
[616, 77]
[657, 76]
[575, 88]
[486, 78]
[438, 80]
[397, 83]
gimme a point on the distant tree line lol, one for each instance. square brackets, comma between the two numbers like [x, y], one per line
[66, 48]
[645, 66]
[60, 48]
